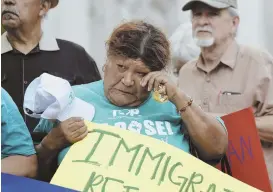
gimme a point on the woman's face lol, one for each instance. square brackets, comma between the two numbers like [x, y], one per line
[122, 77]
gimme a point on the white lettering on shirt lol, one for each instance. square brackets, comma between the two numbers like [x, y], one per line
[126, 112]
[135, 126]
[169, 128]
[149, 129]
[160, 128]
[121, 125]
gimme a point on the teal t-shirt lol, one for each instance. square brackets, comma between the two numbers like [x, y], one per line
[158, 120]
[15, 137]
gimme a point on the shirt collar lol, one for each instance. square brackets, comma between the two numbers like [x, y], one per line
[47, 43]
[228, 58]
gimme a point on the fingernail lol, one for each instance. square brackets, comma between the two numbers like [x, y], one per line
[149, 88]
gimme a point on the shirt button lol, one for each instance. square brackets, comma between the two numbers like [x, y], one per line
[208, 79]
[25, 82]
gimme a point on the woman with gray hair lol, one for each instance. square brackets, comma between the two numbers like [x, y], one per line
[137, 54]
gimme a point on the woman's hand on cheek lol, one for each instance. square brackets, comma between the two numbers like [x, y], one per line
[153, 80]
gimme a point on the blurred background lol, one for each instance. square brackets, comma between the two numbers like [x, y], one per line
[90, 22]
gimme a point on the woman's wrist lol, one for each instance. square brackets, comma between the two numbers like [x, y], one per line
[180, 99]
[48, 144]
[54, 141]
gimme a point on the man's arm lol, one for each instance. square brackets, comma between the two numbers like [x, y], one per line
[264, 125]
[264, 93]
[19, 165]
[265, 128]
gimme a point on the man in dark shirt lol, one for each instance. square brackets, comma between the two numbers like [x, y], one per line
[27, 51]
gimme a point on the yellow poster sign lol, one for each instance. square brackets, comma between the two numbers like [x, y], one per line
[110, 159]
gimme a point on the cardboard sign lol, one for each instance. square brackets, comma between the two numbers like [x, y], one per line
[112, 159]
[245, 153]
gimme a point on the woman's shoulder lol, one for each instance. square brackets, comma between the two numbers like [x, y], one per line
[5, 97]
[7, 103]
[89, 88]
[90, 92]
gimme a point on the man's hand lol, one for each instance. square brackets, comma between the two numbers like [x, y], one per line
[265, 128]
[65, 134]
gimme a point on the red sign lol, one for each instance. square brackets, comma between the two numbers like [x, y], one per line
[244, 152]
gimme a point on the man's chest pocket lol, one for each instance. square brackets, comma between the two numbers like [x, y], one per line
[234, 102]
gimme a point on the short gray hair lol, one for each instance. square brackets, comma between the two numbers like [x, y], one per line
[233, 13]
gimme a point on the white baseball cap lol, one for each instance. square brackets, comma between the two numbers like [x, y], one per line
[51, 97]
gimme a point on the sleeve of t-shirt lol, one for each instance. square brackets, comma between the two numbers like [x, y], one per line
[222, 123]
[44, 126]
[16, 139]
